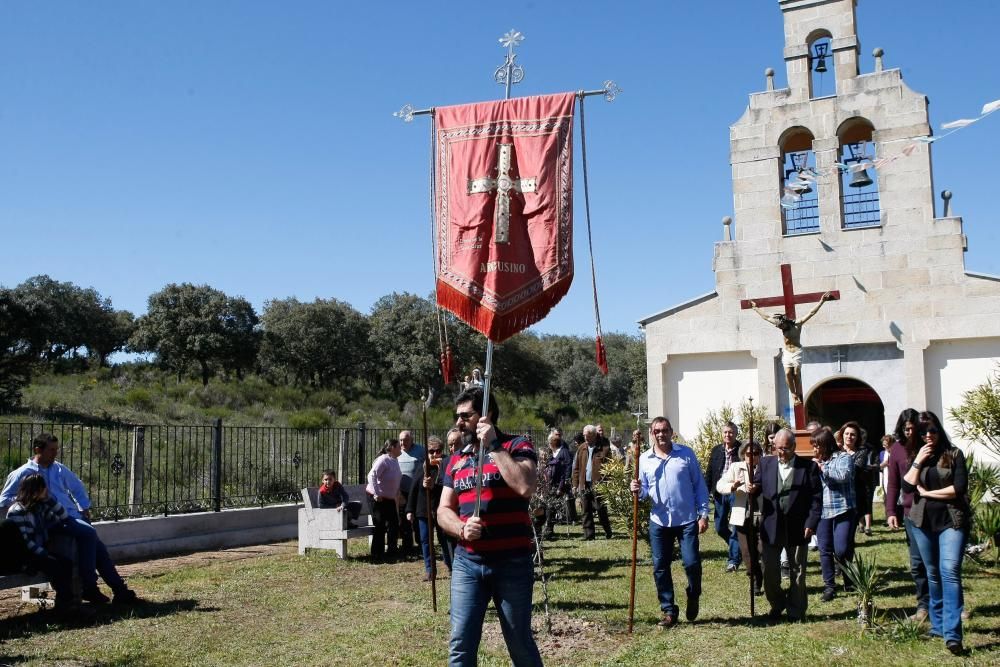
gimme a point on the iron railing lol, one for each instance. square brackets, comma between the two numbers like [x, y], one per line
[144, 470]
[803, 218]
[861, 210]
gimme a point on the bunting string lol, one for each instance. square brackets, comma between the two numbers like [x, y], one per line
[793, 191]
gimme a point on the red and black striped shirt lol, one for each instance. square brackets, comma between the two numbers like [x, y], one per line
[503, 512]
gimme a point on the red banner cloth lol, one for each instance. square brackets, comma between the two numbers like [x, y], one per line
[504, 205]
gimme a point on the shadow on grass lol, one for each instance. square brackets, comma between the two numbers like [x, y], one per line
[23, 625]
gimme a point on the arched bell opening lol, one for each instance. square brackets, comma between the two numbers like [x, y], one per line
[859, 199]
[822, 79]
[799, 185]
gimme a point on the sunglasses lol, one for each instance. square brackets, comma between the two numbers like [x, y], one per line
[931, 431]
[465, 416]
[433, 451]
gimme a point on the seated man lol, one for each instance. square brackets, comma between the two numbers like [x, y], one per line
[67, 489]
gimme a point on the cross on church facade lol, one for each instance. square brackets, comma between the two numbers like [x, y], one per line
[503, 184]
[841, 357]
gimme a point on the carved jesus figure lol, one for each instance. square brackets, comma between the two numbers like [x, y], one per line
[791, 355]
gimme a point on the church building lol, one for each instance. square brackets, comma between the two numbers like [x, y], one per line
[833, 191]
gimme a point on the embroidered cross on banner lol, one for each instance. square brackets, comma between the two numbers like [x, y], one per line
[502, 184]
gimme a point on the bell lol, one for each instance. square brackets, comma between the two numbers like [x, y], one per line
[861, 179]
[821, 64]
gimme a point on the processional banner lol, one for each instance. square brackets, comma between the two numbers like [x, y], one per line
[504, 210]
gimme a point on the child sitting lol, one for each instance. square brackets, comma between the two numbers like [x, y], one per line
[34, 513]
[333, 495]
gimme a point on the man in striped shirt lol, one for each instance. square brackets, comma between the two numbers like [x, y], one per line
[494, 556]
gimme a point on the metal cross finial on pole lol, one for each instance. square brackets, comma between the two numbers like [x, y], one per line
[509, 73]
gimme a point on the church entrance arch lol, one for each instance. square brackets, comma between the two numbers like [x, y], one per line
[840, 400]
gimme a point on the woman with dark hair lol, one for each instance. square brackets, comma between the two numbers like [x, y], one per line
[850, 437]
[898, 501]
[383, 498]
[735, 480]
[940, 517]
[838, 519]
[34, 513]
[770, 431]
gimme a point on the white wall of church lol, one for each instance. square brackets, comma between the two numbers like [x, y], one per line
[954, 367]
[698, 383]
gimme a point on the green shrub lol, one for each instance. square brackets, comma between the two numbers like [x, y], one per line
[313, 418]
[710, 428]
[614, 489]
[139, 399]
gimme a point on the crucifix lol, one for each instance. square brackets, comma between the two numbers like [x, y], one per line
[502, 185]
[791, 329]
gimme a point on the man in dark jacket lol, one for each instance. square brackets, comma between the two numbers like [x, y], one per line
[723, 456]
[792, 496]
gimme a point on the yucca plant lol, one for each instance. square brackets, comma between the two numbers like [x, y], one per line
[868, 580]
[986, 526]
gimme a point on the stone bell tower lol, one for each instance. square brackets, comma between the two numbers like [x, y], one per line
[832, 191]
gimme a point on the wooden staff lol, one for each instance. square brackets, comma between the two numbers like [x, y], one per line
[751, 545]
[430, 517]
[636, 440]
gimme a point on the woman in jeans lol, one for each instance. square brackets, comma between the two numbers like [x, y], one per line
[940, 516]
[898, 501]
[850, 436]
[838, 519]
[383, 498]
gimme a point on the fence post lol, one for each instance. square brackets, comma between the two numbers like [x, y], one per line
[362, 473]
[340, 455]
[136, 470]
[217, 465]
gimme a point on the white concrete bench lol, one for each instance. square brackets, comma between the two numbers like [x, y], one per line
[327, 528]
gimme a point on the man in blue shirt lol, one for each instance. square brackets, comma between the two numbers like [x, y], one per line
[670, 476]
[67, 489]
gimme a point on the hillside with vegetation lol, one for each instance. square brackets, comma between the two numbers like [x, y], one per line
[199, 354]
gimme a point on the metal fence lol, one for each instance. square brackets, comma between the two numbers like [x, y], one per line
[143, 470]
[803, 218]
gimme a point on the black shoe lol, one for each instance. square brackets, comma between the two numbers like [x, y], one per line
[828, 594]
[126, 597]
[757, 590]
[95, 596]
[691, 612]
[786, 573]
[774, 615]
[955, 647]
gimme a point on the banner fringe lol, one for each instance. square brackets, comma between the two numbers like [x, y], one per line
[499, 328]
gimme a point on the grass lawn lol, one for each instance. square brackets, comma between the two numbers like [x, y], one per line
[283, 609]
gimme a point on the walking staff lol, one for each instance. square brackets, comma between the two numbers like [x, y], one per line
[751, 536]
[636, 441]
[430, 515]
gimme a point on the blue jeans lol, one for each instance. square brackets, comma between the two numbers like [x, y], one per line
[92, 556]
[661, 541]
[425, 544]
[917, 569]
[722, 510]
[836, 541]
[509, 583]
[942, 556]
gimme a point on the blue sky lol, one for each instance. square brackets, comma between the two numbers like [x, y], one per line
[251, 145]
